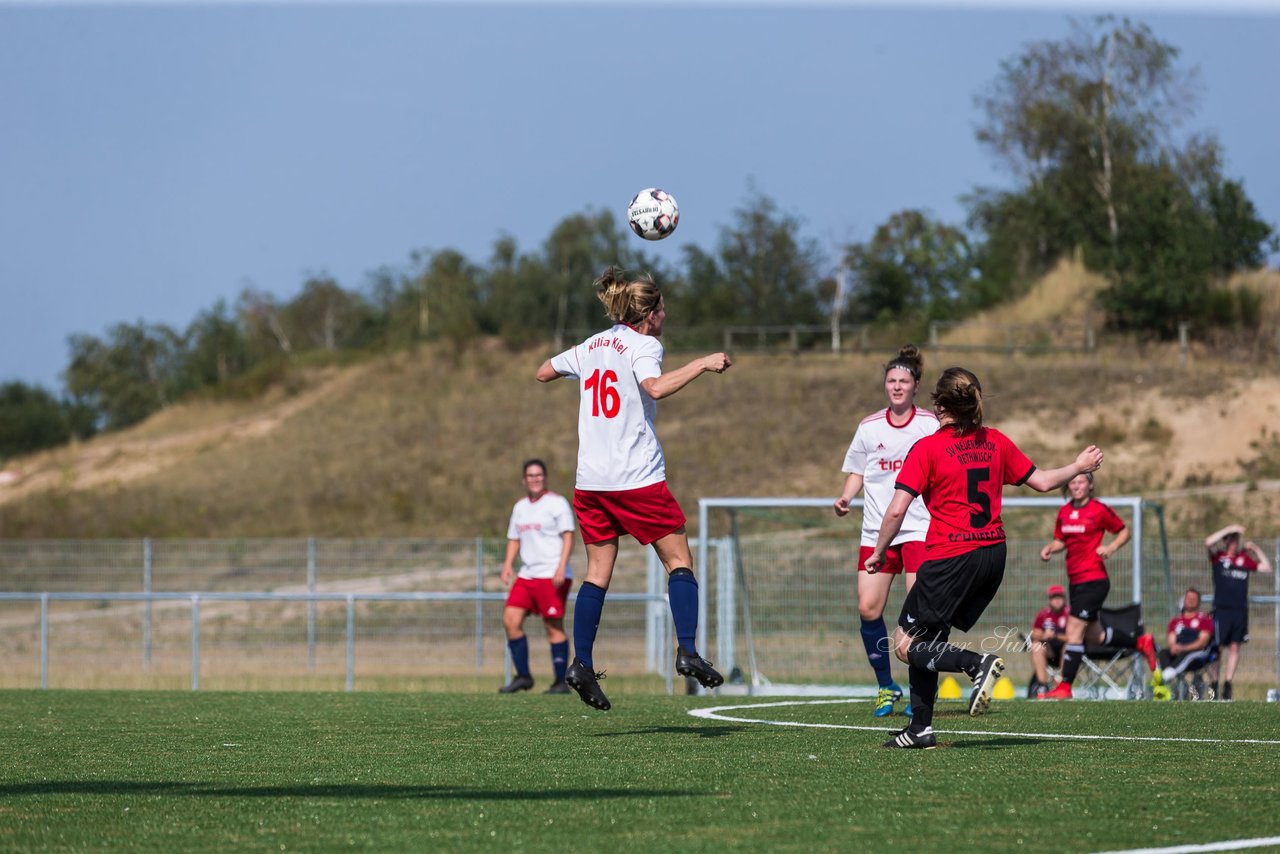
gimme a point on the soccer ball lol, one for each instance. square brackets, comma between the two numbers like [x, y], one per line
[653, 214]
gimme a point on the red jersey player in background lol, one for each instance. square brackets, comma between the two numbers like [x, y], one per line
[1079, 530]
[960, 471]
[1048, 637]
[1190, 637]
[621, 485]
[879, 446]
[1233, 563]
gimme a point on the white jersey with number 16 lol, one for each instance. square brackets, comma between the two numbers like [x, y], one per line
[617, 447]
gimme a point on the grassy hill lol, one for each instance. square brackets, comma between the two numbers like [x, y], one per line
[429, 443]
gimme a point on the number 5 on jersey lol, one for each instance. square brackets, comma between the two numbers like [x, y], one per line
[604, 397]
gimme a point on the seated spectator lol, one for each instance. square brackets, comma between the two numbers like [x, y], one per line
[1048, 636]
[1190, 639]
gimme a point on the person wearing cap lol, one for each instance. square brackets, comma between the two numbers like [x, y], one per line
[1082, 524]
[1048, 636]
[1234, 559]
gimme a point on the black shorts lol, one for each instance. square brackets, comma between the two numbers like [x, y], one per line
[1053, 650]
[953, 591]
[1087, 598]
[1229, 626]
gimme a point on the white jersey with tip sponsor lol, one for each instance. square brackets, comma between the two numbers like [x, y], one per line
[617, 447]
[877, 452]
[540, 526]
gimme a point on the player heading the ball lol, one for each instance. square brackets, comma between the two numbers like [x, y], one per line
[622, 478]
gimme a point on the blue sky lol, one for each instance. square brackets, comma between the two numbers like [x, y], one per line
[154, 158]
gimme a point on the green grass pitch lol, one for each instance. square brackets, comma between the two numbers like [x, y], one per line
[420, 772]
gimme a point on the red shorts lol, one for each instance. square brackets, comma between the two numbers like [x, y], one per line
[540, 596]
[648, 513]
[904, 556]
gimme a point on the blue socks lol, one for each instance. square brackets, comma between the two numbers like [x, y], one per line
[520, 654]
[682, 591]
[875, 640]
[560, 659]
[586, 621]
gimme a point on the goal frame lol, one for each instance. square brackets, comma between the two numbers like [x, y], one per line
[725, 577]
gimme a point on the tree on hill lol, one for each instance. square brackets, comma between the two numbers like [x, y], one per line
[763, 271]
[32, 419]
[914, 269]
[135, 371]
[1085, 126]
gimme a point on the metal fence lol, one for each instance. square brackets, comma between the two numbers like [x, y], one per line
[306, 613]
[779, 600]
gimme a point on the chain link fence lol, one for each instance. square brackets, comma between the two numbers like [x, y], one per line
[304, 614]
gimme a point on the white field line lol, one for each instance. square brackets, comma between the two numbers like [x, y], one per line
[1229, 845]
[714, 714]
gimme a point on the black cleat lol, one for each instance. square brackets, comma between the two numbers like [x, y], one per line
[923, 740]
[698, 668]
[586, 682]
[558, 688]
[984, 683]
[519, 683]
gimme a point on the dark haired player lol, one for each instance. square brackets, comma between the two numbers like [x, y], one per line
[541, 532]
[879, 446]
[960, 472]
[1232, 565]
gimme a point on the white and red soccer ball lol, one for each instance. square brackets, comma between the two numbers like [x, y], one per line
[653, 214]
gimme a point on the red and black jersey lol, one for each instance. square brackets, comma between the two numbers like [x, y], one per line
[961, 478]
[1187, 629]
[1231, 580]
[1050, 620]
[1081, 530]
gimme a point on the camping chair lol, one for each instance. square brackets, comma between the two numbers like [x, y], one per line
[1189, 684]
[1112, 672]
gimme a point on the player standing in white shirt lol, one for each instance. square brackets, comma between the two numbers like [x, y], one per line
[541, 533]
[879, 446]
[622, 481]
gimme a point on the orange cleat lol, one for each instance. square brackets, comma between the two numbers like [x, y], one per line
[1147, 646]
[1061, 692]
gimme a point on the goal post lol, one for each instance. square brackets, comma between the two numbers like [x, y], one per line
[780, 587]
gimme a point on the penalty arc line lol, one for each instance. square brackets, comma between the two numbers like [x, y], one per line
[715, 714]
[1227, 845]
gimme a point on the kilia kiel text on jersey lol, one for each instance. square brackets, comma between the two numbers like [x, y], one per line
[605, 341]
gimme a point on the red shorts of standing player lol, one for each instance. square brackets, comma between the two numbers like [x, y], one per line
[540, 596]
[905, 557]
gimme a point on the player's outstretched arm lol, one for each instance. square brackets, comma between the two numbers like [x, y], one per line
[670, 383]
[546, 373]
[1089, 460]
